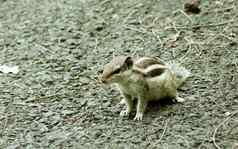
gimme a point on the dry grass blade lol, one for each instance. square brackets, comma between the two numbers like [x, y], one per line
[205, 25]
[222, 123]
[165, 128]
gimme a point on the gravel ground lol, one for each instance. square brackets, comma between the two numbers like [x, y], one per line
[61, 46]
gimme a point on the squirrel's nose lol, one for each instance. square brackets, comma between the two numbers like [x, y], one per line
[102, 80]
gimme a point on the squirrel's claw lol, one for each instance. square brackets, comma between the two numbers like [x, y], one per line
[138, 117]
[179, 99]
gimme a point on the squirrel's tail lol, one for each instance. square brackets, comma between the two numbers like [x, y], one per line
[181, 73]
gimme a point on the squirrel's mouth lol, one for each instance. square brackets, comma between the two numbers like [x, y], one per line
[103, 80]
[106, 78]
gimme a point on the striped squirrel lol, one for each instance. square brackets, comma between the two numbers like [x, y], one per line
[144, 79]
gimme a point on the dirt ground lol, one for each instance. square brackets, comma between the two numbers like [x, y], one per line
[61, 46]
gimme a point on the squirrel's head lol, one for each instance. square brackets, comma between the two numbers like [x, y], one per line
[114, 72]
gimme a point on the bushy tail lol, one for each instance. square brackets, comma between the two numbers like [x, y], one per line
[181, 73]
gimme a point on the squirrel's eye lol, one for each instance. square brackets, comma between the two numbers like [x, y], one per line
[116, 71]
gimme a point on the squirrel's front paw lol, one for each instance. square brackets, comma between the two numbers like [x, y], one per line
[122, 102]
[124, 113]
[138, 116]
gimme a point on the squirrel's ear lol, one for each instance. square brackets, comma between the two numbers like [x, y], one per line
[129, 62]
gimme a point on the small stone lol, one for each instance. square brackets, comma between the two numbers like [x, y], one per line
[227, 113]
